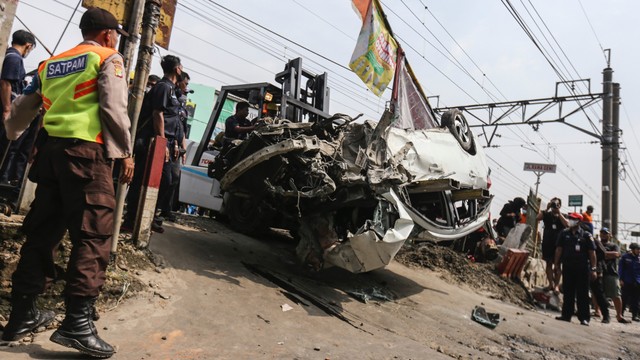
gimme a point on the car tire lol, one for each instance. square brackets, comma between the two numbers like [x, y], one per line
[246, 215]
[455, 121]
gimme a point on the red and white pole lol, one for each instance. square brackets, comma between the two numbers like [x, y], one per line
[149, 192]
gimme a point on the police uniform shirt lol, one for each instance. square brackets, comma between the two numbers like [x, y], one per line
[13, 71]
[161, 97]
[112, 90]
[575, 247]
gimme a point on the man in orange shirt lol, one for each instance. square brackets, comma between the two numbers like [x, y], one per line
[588, 219]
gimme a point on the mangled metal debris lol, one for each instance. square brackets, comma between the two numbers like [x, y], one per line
[353, 193]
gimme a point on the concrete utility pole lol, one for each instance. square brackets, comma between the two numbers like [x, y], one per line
[607, 151]
[7, 13]
[150, 20]
[615, 160]
[128, 45]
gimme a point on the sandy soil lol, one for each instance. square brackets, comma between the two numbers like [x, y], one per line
[216, 294]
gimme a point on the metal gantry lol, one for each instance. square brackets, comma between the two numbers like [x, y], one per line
[499, 111]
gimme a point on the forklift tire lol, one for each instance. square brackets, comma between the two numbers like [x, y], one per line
[455, 121]
[246, 215]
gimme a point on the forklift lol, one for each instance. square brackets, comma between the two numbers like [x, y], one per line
[301, 96]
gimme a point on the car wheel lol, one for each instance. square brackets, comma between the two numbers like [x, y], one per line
[245, 215]
[459, 128]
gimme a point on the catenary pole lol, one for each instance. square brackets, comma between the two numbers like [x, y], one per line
[615, 159]
[607, 153]
[150, 19]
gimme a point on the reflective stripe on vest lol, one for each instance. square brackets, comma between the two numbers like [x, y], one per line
[70, 92]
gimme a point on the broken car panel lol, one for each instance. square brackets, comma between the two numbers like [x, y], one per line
[352, 192]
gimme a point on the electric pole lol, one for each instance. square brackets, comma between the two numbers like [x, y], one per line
[615, 160]
[133, 27]
[150, 20]
[7, 13]
[607, 151]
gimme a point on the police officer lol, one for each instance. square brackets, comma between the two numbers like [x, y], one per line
[159, 116]
[576, 249]
[84, 93]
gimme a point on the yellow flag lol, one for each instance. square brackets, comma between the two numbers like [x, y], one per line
[375, 55]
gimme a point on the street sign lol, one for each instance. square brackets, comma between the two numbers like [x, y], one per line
[635, 233]
[545, 168]
[121, 9]
[575, 200]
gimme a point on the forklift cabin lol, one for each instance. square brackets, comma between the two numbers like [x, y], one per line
[301, 97]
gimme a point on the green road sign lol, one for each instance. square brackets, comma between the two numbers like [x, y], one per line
[575, 200]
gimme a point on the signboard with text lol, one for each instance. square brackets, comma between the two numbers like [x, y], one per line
[575, 200]
[121, 9]
[545, 168]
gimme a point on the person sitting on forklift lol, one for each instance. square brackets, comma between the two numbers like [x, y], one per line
[237, 126]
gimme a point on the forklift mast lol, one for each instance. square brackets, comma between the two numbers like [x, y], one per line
[303, 90]
[302, 96]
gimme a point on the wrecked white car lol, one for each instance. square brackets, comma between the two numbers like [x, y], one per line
[351, 192]
[354, 192]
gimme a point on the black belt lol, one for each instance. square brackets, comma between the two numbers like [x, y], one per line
[60, 140]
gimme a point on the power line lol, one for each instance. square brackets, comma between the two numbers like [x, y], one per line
[347, 93]
[593, 31]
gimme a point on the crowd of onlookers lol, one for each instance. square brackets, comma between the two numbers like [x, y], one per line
[587, 268]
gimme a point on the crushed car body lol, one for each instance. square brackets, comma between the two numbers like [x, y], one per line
[351, 191]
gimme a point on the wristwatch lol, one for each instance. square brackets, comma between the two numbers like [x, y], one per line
[593, 268]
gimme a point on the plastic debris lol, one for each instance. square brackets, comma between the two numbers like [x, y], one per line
[480, 315]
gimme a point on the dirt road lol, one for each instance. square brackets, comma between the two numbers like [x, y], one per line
[222, 294]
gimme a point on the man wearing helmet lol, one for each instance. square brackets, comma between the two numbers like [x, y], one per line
[576, 250]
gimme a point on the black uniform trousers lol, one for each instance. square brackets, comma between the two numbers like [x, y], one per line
[575, 287]
[168, 182]
[74, 193]
[597, 291]
[631, 297]
[140, 153]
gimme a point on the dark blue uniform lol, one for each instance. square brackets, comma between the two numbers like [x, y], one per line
[576, 269]
[15, 163]
[161, 97]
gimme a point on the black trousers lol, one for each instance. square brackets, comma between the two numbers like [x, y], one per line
[631, 297]
[15, 163]
[597, 291]
[74, 193]
[576, 289]
[140, 153]
[169, 183]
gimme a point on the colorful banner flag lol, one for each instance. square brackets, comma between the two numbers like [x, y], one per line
[375, 55]
[412, 107]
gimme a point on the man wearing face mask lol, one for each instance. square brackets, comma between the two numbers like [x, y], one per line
[84, 93]
[576, 250]
[12, 85]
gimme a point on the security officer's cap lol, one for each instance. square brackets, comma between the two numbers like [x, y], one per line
[99, 19]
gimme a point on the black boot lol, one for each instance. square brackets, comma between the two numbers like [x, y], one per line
[77, 330]
[25, 317]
